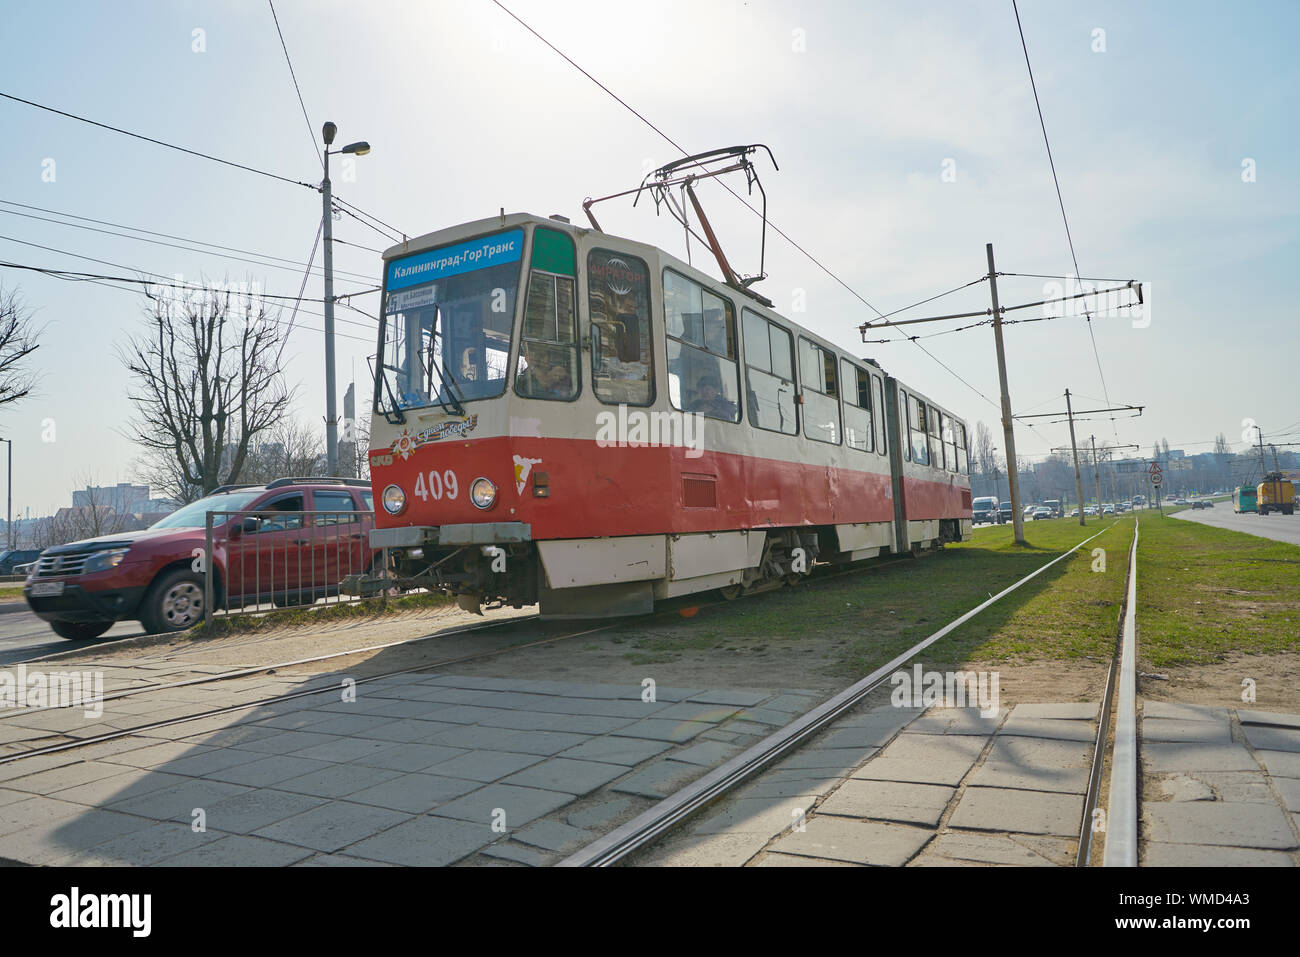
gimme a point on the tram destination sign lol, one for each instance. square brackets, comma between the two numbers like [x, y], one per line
[494, 250]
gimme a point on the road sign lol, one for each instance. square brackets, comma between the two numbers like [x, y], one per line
[1156, 479]
[1155, 468]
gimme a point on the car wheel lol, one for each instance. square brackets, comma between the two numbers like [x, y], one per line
[173, 603]
[80, 630]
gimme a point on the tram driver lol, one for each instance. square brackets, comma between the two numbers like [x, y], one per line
[710, 401]
[546, 375]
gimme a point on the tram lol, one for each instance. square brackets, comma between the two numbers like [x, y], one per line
[572, 419]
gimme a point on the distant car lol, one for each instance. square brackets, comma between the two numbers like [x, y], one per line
[1043, 512]
[984, 509]
[1090, 510]
[1004, 512]
[10, 559]
[1074, 513]
[1200, 504]
[1108, 509]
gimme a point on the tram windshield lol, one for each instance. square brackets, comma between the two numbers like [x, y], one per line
[447, 321]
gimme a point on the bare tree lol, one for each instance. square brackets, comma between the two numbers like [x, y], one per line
[207, 386]
[18, 335]
[288, 448]
[986, 457]
[92, 520]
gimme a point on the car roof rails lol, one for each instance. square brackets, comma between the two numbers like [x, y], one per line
[318, 480]
[230, 488]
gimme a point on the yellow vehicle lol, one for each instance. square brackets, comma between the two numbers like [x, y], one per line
[1275, 494]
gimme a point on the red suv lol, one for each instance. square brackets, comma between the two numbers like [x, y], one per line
[290, 541]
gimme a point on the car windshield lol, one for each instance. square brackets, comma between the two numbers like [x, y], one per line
[194, 515]
[448, 315]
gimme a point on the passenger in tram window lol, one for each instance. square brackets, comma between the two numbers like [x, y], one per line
[546, 376]
[710, 401]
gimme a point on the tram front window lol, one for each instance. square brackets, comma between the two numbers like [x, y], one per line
[447, 323]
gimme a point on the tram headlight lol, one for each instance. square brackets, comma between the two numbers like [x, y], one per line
[394, 500]
[483, 493]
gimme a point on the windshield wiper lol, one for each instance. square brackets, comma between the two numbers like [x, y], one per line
[448, 383]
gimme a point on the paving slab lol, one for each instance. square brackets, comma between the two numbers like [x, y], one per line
[553, 836]
[1277, 718]
[582, 724]
[772, 717]
[425, 842]
[731, 849]
[518, 853]
[835, 759]
[747, 727]
[1060, 729]
[858, 842]
[148, 845]
[773, 859]
[177, 802]
[791, 704]
[1171, 756]
[1036, 764]
[264, 772]
[337, 780]
[1184, 712]
[663, 730]
[538, 743]
[1289, 788]
[568, 775]
[132, 782]
[924, 759]
[1003, 849]
[710, 754]
[696, 711]
[245, 813]
[659, 779]
[810, 782]
[1019, 811]
[1156, 854]
[1067, 711]
[1182, 787]
[521, 805]
[485, 765]
[742, 699]
[409, 757]
[1218, 823]
[908, 803]
[343, 750]
[62, 841]
[332, 826]
[414, 793]
[612, 750]
[67, 776]
[762, 816]
[1181, 730]
[1280, 764]
[238, 850]
[956, 721]
[1273, 739]
[599, 815]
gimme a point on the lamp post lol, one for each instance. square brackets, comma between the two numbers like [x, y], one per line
[9, 514]
[331, 434]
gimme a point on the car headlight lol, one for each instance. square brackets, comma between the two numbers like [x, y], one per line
[103, 561]
[483, 493]
[394, 500]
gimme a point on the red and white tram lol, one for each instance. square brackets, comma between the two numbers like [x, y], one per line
[569, 418]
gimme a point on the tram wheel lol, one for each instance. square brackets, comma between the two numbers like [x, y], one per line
[731, 592]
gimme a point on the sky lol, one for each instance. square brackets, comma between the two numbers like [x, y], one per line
[906, 135]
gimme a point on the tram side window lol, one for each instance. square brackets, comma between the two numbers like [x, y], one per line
[963, 457]
[916, 431]
[951, 460]
[548, 347]
[769, 374]
[858, 432]
[703, 371]
[618, 297]
[936, 446]
[878, 394]
[821, 406]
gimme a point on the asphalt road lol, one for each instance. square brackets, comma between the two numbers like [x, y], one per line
[23, 636]
[1283, 528]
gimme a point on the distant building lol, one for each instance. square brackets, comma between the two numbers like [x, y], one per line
[121, 498]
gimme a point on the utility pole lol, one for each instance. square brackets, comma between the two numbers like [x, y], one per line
[1008, 425]
[1074, 448]
[1096, 473]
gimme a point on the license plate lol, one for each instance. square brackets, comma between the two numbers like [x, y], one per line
[47, 589]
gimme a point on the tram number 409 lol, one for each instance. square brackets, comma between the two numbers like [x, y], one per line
[440, 485]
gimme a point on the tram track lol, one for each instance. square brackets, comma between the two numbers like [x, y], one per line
[676, 809]
[817, 577]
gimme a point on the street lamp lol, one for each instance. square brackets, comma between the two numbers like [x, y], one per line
[9, 517]
[360, 148]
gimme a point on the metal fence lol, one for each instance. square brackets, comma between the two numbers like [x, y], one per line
[258, 561]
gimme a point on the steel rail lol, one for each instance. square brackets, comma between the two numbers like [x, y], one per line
[1083, 855]
[676, 808]
[1121, 824]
